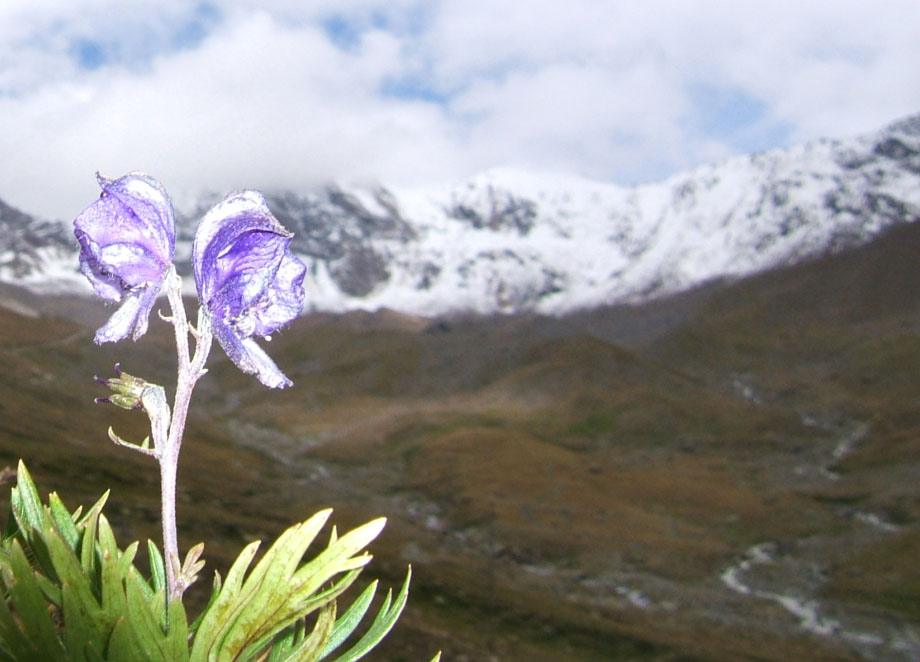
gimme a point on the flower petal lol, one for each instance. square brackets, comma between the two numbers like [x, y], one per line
[127, 243]
[130, 318]
[238, 235]
[283, 301]
[248, 279]
[248, 356]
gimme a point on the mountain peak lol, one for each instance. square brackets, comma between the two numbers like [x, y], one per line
[508, 240]
[909, 125]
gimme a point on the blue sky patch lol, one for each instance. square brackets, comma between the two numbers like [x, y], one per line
[198, 26]
[343, 33]
[412, 88]
[133, 41]
[89, 54]
[731, 115]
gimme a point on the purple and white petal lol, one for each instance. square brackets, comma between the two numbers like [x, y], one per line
[127, 243]
[248, 279]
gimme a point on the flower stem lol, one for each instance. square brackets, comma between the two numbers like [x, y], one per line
[190, 370]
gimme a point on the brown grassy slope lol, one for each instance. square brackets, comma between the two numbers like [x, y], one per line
[532, 467]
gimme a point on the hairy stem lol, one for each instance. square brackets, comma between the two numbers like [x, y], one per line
[190, 370]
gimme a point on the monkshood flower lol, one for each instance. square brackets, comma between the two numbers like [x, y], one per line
[248, 280]
[127, 242]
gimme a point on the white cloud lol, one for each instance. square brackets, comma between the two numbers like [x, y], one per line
[232, 94]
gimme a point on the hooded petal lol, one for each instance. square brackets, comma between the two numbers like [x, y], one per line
[127, 243]
[248, 356]
[247, 279]
[238, 236]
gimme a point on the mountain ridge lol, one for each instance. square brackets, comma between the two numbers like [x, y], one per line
[509, 241]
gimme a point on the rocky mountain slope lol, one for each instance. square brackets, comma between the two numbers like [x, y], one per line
[508, 241]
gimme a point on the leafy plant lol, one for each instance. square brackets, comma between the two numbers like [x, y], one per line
[69, 592]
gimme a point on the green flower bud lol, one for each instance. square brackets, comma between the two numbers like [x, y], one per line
[127, 390]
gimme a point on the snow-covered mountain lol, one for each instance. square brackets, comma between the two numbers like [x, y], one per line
[508, 241]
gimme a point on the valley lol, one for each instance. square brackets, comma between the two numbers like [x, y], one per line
[725, 474]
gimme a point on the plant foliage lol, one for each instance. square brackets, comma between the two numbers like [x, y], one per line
[71, 595]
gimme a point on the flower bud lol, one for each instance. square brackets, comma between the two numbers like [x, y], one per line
[127, 390]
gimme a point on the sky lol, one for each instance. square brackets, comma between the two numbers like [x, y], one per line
[227, 94]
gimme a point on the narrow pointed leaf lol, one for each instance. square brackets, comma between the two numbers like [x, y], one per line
[292, 608]
[177, 633]
[63, 520]
[143, 619]
[264, 590]
[126, 559]
[95, 508]
[207, 642]
[25, 496]
[383, 623]
[88, 544]
[349, 621]
[308, 649]
[157, 567]
[215, 591]
[84, 624]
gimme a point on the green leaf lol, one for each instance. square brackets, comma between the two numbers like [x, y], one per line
[31, 608]
[28, 503]
[88, 543]
[157, 567]
[95, 508]
[381, 626]
[106, 537]
[266, 586]
[249, 613]
[126, 559]
[206, 643]
[215, 591]
[123, 646]
[84, 624]
[294, 646]
[114, 602]
[72, 595]
[143, 618]
[293, 608]
[63, 520]
[349, 621]
[177, 633]
[284, 642]
[29, 517]
[13, 638]
[340, 552]
[50, 589]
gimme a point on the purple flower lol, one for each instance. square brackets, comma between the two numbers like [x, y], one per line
[248, 280]
[127, 241]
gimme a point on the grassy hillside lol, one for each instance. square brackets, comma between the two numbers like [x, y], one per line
[566, 489]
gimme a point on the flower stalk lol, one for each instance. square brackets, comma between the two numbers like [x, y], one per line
[167, 426]
[190, 370]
